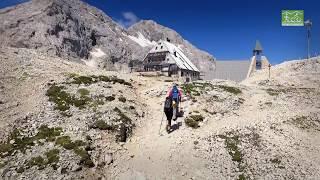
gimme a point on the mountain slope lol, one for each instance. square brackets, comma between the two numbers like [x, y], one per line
[75, 30]
[261, 128]
[66, 28]
[154, 32]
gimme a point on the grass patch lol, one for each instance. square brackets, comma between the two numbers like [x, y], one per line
[77, 147]
[102, 125]
[275, 92]
[268, 103]
[190, 88]
[72, 75]
[53, 156]
[22, 143]
[196, 88]
[49, 134]
[63, 100]
[168, 80]
[272, 92]
[232, 90]
[65, 141]
[88, 80]
[24, 76]
[85, 157]
[52, 159]
[83, 92]
[242, 177]
[193, 120]
[18, 142]
[232, 143]
[37, 161]
[3, 164]
[305, 122]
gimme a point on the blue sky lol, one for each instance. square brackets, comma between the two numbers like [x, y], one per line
[226, 29]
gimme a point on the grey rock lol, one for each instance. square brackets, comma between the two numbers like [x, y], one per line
[108, 158]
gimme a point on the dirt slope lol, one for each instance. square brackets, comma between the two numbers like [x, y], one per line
[259, 129]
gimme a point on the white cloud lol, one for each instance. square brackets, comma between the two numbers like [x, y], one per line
[129, 18]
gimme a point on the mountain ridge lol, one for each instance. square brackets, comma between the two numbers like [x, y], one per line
[73, 29]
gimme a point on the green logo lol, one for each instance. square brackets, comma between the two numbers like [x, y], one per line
[292, 17]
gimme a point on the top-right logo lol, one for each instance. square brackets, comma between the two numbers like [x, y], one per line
[292, 18]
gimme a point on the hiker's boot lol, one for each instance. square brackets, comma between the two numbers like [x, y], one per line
[168, 128]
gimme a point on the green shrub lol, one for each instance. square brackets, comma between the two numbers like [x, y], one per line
[231, 143]
[65, 142]
[21, 143]
[83, 92]
[85, 157]
[48, 133]
[197, 117]
[64, 100]
[37, 161]
[191, 122]
[53, 156]
[61, 98]
[230, 89]
[100, 124]
[272, 92]
[86, 80]
[242, 177]
[3, 164]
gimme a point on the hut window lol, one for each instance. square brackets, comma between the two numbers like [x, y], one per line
[161, 47]
[156, 48]
[181, 73]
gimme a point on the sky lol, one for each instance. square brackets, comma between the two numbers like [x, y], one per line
[226, 29]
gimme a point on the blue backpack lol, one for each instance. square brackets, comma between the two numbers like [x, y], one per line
[175, 93]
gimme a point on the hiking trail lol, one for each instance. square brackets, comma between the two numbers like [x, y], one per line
[153, 154]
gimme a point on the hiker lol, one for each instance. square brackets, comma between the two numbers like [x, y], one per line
[168, 110]
[176, 96]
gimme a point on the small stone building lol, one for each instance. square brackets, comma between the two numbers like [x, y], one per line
[169, 60]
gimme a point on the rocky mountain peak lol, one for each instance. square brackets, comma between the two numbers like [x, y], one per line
[73, 29]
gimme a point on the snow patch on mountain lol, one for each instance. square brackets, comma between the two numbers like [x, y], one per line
[96, 56]
[97, 53]
[141, 40]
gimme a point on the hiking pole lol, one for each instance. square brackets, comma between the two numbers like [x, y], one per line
[161, 124]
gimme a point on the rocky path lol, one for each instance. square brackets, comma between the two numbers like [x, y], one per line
[153, 152]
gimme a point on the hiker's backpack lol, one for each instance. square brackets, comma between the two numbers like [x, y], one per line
[167, 104]
[175, 93]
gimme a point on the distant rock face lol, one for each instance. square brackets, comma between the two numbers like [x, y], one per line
[66, 28]
[73, 29]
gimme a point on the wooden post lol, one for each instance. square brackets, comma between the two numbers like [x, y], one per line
[269, 69]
